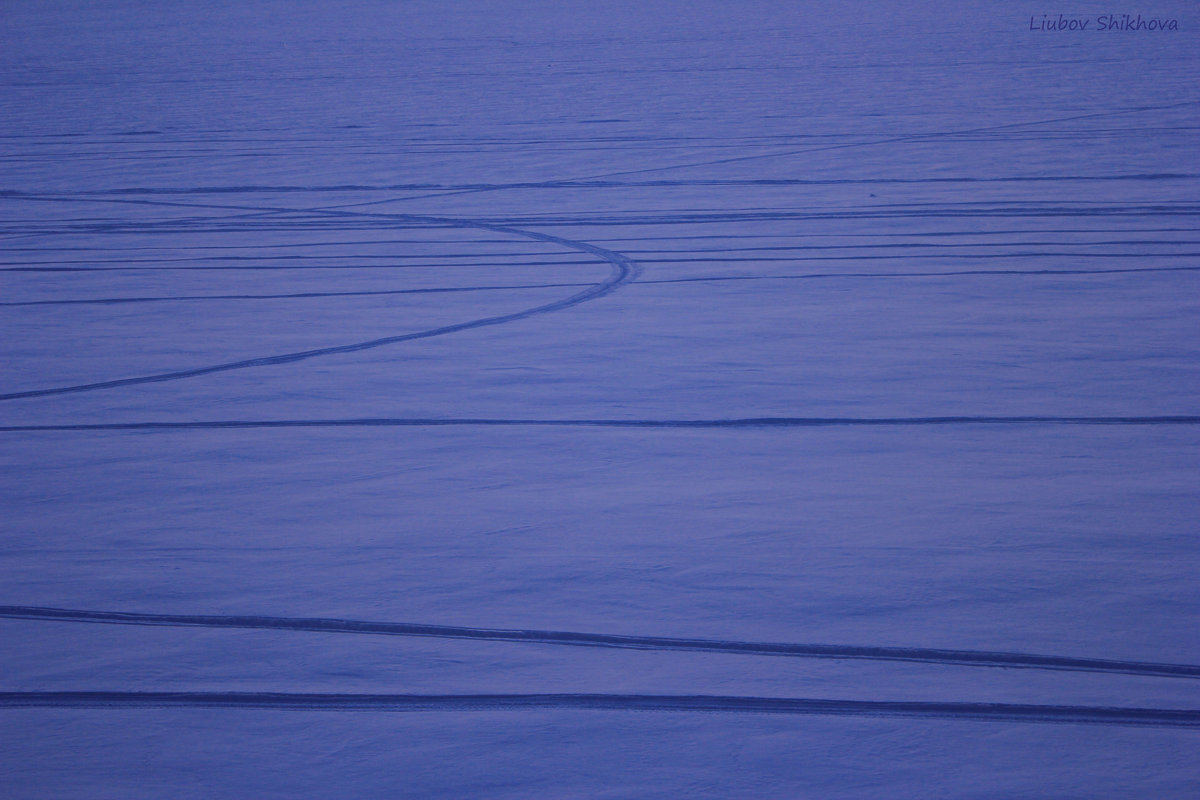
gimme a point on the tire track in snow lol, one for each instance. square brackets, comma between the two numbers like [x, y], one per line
[686, 259]
[488, 256]
[960, 273]
[313, 267]
[901, 139]
[925, 234]
[585, 183]
[989, 131]
[994, 712]
[975, 658]
[963, 211]
[623, 272]
[922, 234]
[708, 251]
[311, 218]
[746, 422]
[643, 282]
[293, 296]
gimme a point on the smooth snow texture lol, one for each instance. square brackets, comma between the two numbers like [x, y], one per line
[673, 399]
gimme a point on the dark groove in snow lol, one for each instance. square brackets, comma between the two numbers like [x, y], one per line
[746, 422]
[623, 271]
[294, 296]
[694, 260]
[978, 658]
[599, 184]
[308, 267]
[998, 712]
[709, 279]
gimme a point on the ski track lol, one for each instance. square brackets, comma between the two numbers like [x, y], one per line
[968, 658]
[991, 712]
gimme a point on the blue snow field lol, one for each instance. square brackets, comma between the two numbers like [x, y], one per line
[609, 399]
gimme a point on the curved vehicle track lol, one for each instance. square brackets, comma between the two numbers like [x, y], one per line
[623, 271]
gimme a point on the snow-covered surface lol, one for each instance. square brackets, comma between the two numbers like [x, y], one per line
[612, 214]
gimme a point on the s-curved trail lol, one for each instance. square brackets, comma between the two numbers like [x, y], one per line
[623, 271]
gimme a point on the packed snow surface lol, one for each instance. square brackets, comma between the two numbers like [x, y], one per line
[598, 399]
